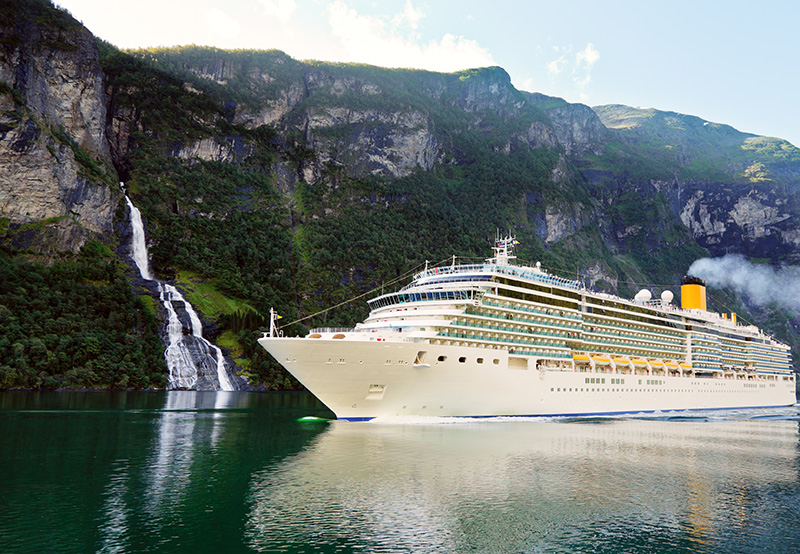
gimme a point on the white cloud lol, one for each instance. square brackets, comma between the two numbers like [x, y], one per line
[282, 10]
[573, 70]
[588, 56]
[582, 74]
[556, 66]
[370, 39]
[409, 15]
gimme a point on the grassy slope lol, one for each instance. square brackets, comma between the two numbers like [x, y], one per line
[693, 148]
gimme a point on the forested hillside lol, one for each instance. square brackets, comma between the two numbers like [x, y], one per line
[269, 182]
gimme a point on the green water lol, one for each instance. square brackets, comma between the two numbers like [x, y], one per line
[242, 472]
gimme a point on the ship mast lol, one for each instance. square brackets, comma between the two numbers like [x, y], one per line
[503, 250]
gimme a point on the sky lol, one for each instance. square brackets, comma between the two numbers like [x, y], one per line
[730, 62]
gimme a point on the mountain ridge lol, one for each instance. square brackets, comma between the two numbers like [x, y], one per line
[298, 184]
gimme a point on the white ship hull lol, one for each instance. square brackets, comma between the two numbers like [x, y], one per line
[361, 380]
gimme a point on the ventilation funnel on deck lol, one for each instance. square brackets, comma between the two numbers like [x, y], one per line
[693, 293]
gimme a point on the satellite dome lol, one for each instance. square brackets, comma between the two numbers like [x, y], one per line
[667, 296]
[642, 296]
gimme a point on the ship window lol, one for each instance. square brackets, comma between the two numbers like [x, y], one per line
[441, 358]
[480, 360]
[462, 359]
[496, 361]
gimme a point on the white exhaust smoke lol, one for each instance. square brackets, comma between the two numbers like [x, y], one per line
[762, 284]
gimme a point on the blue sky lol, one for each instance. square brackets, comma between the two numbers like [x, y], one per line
[729, 62]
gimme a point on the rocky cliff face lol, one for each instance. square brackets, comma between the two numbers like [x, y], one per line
[757, 221]
[53, 144]
[743, 200]
[53, 116]
[359, 123]
[626, 187]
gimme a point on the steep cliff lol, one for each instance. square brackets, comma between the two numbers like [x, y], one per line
[735, 192]
[57, 183]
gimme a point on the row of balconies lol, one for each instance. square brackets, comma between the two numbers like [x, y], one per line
[502, 340]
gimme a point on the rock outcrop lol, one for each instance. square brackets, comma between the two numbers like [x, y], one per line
[53, 146]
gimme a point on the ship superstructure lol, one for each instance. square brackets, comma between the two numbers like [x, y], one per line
[496, 338]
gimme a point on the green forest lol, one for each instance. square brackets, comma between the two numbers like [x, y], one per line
[76, 323]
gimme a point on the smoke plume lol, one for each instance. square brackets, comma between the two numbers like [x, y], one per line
[762, 284]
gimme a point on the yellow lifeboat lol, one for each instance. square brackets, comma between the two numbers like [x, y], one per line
[671, 365]
[639, 362]
[600, 359]
[581, 358]
[656, 363]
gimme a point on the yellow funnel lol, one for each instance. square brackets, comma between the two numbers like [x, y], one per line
[693, 293]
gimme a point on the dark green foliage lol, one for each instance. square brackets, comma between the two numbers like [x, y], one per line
[75, 323]
[218, 220]
[55, 25]
[169, 111]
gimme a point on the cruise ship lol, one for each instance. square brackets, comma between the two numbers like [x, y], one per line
[501, 339]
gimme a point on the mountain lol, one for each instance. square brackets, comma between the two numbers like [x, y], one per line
[269, 182]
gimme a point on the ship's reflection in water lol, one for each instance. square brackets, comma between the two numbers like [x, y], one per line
[601, 485]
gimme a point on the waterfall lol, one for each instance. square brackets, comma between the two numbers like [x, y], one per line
[139, 245]
[185, 352]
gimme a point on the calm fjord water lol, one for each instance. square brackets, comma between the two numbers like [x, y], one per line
[238, 472]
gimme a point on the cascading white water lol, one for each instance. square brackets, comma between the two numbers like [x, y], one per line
[139, 245]
[181, 352]
[182, 369]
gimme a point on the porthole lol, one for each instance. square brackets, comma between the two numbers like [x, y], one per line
[462, 359]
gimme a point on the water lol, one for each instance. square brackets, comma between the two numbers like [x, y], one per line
[186, 353]
[188, 471]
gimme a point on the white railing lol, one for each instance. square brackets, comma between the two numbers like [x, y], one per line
[321, 330]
